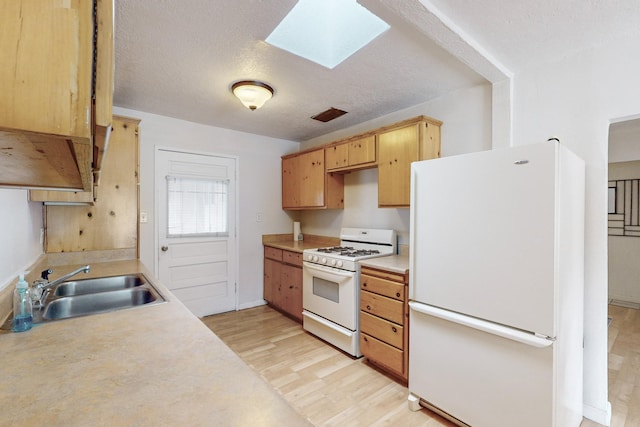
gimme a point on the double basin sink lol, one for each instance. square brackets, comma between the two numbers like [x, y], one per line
[98, 295]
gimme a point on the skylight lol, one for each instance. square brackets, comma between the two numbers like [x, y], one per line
[326, 31]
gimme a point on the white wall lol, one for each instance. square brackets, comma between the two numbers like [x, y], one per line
[20, 236]
[466, 117]
[575, 99]
[624, 251]
[259, 187]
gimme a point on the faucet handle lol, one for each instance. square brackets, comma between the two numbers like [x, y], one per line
[45, 273]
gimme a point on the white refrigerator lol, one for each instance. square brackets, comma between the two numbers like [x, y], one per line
[496, 286]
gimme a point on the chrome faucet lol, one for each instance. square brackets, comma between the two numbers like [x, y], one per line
[42, 286]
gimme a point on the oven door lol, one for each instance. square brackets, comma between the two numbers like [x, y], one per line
[331, 293]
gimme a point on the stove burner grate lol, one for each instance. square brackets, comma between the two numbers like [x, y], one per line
[349, 251]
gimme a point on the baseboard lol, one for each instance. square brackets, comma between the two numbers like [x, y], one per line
[624, 303]
[252, 304]
[601, 416]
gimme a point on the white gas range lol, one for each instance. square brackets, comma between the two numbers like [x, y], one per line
[331, 285]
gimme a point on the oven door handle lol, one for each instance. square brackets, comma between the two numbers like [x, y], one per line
[328, 270]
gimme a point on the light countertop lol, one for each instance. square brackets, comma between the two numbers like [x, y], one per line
[286, 242]
[157, 365]
[395, 263]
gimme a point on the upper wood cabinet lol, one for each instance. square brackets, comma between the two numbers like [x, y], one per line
[47, 113]
[104, 80]
[314, 179]
[358, 153]
[397, 149]
[306, 183]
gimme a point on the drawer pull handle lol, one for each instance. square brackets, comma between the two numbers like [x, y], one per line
[365, 339]
[394, 329]
[368, 307]
[397, 294]
[364, 285]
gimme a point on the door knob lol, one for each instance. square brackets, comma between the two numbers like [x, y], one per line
[164, 248]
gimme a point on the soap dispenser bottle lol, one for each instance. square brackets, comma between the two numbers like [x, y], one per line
[22, 307]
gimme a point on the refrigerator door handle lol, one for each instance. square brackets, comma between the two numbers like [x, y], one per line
[482, 325]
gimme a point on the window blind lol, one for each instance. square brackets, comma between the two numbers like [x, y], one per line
[197, 207]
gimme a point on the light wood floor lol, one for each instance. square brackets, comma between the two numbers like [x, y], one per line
[330, 388]
[624, 366]
[326, 386]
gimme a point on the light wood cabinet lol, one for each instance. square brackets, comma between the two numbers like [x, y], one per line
[311, 182]
[307, 185]
[384, 320]
[112, 222]
[47, 112]
[283, 281]
[104, 81]
[357, 153]
[397, 149]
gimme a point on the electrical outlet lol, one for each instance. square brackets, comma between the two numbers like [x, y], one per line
[143, 217]
[259, 217]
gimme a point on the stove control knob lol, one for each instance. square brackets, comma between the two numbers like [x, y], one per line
[339, 264]
[314, 258]
[333, 262]
[323, 261]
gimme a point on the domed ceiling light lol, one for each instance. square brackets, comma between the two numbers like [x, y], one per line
[253, 94]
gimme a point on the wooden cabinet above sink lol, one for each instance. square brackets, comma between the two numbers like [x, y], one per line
[52, 103]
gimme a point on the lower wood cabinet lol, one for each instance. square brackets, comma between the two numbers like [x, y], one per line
[384, 320]
[283, 280]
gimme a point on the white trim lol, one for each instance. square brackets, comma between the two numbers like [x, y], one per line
[601, 416]
[251, 304]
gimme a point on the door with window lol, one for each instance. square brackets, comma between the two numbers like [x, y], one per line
[197, 256]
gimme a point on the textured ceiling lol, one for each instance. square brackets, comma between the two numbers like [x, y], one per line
[179, 59]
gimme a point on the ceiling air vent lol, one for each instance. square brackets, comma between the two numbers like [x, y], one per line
[328, 115]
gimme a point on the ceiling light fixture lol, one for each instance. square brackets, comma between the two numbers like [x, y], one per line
[253, 94]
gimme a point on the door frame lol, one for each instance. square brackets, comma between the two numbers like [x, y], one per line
[156, 211]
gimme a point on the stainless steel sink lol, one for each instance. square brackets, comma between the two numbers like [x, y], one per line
[100, 284]
[92, 296]
[82, 305]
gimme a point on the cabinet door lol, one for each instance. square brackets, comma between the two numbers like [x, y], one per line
[104, 63]
[397, 150]
[307, 185]
[337, 156]
[290, 183]
[46, 71]
[291, 278]
[362, 151]
[271, 279]
[312, 178]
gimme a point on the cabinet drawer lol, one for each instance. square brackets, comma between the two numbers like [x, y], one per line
[385, 274]
[383, 287]
[389, 332]
[381, 306]
[294, 258]
[380, 352]
[273, 253]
